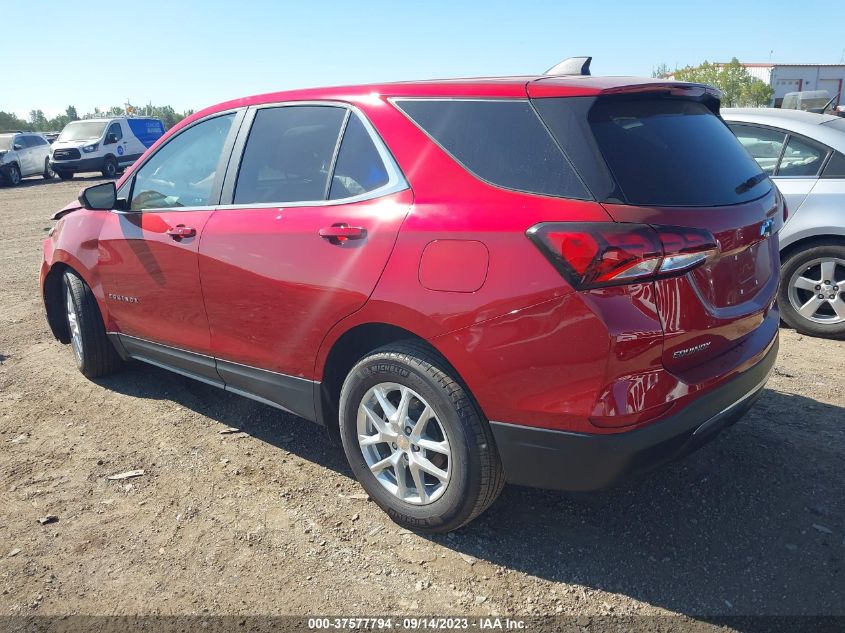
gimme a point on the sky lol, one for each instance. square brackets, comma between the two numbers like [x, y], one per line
[191, 54]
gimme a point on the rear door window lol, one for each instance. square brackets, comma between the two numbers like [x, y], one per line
[288, 154]
[802, 158]
[502, 142]
[643, 150]
[765, 145]
[359, 168]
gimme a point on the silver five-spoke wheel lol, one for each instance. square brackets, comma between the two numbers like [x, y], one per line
[403, 443]
[73, 325]
[816, 291]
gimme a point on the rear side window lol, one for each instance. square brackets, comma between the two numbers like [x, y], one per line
[288, 154]
[835, 166]
[502, 142]
[359, 167]
[643, 150]
[764, 145]
[802, 158]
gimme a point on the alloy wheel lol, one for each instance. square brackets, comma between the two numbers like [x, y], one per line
[73, 326]
[404, 444]
[816, 291]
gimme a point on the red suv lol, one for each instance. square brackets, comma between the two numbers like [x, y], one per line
[551, 281]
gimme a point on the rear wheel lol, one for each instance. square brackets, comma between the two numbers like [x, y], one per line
[48, 173]
[95, 355]
[812, 292]
[65, 175]
[416, 441]
[110, 167]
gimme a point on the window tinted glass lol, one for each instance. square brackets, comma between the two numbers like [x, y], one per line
[182, 172]
[665, 152]
[359, 167]
[114, 128]
[502, 142]
[802, 157]
[288, 154]
[763, 144]
[835, 166]
[34, 141]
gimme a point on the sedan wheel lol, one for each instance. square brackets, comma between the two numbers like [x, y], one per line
[812, 294]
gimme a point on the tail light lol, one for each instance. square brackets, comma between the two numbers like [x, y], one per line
[592, 255]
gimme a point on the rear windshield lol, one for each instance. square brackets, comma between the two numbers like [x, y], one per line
[501, 141]
[83, 130]
[653, 151]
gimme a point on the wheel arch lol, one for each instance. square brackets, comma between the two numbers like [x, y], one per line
[52, 295]
[350, 347]
[810, 241]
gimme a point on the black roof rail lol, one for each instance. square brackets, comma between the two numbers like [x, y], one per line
[571, 66]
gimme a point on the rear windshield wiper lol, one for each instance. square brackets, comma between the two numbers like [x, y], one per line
[751, 182]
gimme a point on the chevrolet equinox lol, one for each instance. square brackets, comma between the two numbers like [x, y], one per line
[553, 281]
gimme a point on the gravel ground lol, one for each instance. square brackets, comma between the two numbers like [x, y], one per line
[269, 521]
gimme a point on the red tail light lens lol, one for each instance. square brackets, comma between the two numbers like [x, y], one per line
[591, 255]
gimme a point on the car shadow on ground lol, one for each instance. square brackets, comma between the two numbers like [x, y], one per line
[750, 524]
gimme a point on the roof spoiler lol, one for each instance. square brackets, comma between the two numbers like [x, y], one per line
[571, 66]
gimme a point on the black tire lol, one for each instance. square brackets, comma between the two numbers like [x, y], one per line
[13, 175]
[65, 175]
[48, 174]
[109, 167]
[808, 261]
[476, 477]
[95, 355]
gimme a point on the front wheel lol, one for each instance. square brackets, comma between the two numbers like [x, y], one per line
[109, 167]
[65, 175]
[13, 175]
[416, 441]
[812, 291]
[48, 173]
[95, 355]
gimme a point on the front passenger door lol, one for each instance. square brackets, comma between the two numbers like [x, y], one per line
[148, 250]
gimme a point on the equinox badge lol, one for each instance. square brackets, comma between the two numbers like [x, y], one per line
[691, 350]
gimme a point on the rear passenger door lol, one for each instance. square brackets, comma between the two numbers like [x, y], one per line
[792, 161]
[308, 218]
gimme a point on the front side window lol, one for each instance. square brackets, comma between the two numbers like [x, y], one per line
[183, 171]
[501, 141]
[802, 158]
[288, 155]
[115, 132]
[764, 145]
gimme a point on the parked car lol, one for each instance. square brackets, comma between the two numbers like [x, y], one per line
[467, 281]
[23, 154]
[104, 145]
[804, 153]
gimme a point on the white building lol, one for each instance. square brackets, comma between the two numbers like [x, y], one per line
[786, 78]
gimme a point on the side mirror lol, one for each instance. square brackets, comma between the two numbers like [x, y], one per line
[17, 147]
[111, 139]
[102, 197]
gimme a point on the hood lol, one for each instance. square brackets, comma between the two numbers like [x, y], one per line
[70, 207]
[74, 144]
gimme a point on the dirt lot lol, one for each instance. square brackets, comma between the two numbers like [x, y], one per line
[269, 521]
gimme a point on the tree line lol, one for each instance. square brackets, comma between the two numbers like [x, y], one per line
[739, 87]
[39, 122]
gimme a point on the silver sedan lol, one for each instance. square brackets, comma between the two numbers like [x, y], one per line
[804, 153]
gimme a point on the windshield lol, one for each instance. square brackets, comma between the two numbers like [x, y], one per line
[6, 142]
[83, 130]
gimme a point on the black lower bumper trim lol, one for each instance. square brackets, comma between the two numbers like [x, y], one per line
[563, 460]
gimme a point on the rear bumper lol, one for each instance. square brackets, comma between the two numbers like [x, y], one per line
[564, 460]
